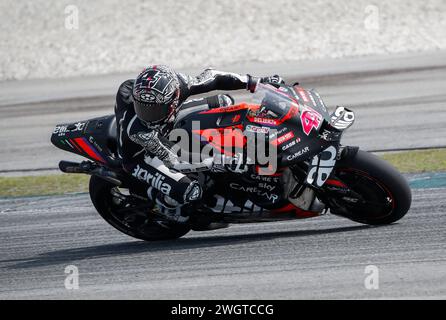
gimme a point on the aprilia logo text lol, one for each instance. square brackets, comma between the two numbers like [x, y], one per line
[155, 181]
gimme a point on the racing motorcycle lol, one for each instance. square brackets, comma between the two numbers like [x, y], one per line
[315, 172]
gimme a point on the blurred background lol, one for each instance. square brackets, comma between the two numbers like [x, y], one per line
[65, 38]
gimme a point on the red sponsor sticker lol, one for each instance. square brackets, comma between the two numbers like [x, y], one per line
[264, 121]
[287, 136]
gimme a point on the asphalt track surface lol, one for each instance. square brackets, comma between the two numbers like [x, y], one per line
[318, 258]
[399, 103]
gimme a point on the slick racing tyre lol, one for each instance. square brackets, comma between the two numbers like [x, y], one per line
[381, 195]
[129, 216]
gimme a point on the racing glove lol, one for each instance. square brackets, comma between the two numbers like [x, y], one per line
[275, 79]
[254, 81]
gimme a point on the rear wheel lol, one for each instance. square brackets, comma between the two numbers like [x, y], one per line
[378, 194]
[130, 215]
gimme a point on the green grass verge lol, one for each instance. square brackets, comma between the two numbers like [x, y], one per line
[418, 161]
[43, 185]
[409, 162]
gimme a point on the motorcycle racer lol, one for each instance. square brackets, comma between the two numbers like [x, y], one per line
[145, 111]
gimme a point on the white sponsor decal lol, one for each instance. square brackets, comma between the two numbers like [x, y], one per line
[276, 133]
[298, 154]
[303, 94]
[312, 99]
[264, 178]
[321, 169]
[79, 126]
[269, 196]
[92, 141]
[289, 145]
[322, 104]
[60, 130]
[267, 186]
[156, 181]
[257, 129]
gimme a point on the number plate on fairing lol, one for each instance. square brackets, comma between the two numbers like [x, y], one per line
[321, 166]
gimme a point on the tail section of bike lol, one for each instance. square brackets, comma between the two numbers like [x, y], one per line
[94, 139]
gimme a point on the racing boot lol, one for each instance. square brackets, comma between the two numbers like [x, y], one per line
[167, 207]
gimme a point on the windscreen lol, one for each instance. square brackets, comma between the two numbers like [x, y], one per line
[272, 101]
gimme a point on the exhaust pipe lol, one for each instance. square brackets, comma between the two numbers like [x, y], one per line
[70, 167]
[91, 168]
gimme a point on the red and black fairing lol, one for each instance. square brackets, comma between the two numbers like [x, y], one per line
[297, 124]
[94, 139]
[294, 126]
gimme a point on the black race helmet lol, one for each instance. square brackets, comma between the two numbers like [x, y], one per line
[155, 93]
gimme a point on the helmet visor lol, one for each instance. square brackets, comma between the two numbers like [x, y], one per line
[151, 112]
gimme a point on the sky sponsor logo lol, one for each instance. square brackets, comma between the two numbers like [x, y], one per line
[257, 129]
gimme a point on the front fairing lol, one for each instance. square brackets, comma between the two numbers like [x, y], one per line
[299, 118]
[295, 121]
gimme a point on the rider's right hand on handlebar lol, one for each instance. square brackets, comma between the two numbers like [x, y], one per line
[254, 81]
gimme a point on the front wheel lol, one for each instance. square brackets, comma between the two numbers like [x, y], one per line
[129, 215]
[369, 190]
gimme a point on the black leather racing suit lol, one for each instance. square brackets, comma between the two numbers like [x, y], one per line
[145, 150]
